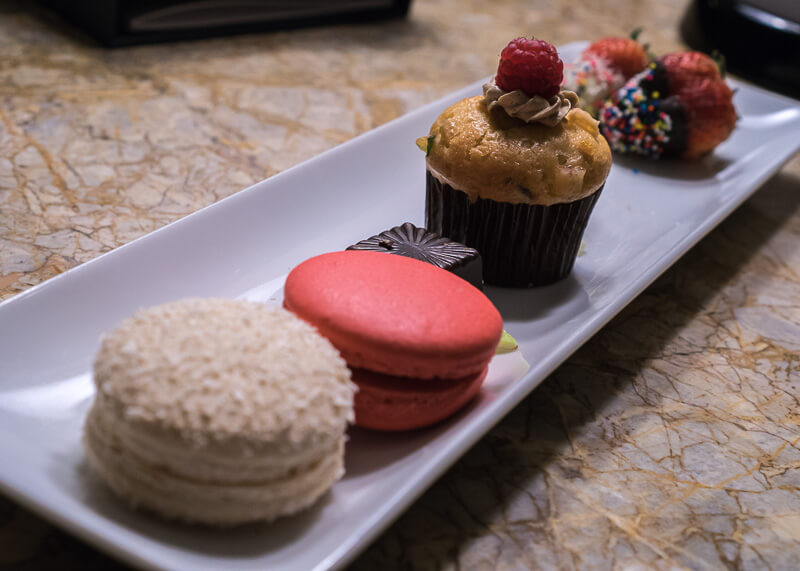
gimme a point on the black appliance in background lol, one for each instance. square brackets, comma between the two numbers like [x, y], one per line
[760, 39]
[127, 22]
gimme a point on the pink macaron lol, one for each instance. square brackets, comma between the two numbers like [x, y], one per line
[418, 338]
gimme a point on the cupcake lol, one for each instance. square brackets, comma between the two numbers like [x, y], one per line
[516, 172]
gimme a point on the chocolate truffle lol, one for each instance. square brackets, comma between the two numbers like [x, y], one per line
[418, 243]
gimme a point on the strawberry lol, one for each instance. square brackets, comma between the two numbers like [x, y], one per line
[710, 114]
[684, 68]
[625, 55]
[679, 106]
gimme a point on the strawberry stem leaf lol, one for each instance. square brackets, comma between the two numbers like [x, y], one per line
[719, 59]
[636, 33]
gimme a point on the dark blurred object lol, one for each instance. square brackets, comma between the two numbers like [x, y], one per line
[760, 39]
[126, 22]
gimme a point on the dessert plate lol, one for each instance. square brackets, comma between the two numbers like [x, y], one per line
[649, 215]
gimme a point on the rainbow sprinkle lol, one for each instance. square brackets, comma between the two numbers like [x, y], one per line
[593, 80]
[633, 122]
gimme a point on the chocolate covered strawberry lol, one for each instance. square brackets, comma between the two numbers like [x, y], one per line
[678, 106]
[603, 68]
[624, 55]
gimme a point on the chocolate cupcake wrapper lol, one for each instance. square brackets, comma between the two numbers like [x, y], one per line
[522, 245]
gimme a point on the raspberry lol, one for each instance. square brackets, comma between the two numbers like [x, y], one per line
[532, 66]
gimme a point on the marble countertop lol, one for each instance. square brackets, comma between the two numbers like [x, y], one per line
[669, 441]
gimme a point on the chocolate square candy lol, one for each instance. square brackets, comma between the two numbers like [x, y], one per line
[418, 243]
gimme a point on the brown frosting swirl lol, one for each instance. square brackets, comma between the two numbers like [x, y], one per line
[534, 109]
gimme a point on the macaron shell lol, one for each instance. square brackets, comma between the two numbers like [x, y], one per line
[395, 315]
[385, 402]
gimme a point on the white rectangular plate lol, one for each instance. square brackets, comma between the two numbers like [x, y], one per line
[649, 215]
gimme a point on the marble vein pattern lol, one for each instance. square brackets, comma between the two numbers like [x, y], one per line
[670, 441]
